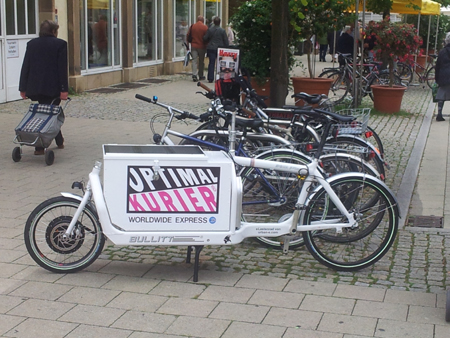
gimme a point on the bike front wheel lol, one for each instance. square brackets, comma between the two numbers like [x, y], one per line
[340, 85]
[405, 73]
[376, 212]
[45, 237]
[431, 77]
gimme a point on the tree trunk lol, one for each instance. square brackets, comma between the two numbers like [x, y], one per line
[279, 70]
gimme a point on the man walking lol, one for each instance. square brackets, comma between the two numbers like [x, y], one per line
[216, 37]
[198, 48]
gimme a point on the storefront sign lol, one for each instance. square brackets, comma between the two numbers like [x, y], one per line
[12, 49]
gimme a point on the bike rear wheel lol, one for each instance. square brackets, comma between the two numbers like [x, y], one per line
[375, 209]
[45, 237]
[255, 198]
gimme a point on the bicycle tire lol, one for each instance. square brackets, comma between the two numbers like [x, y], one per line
[355, 250]
[332, 164]
[339, 87]
[44, 240]
[405, 73]
[260, 202]
[431, 77]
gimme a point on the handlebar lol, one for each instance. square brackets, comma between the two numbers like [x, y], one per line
[154, 100]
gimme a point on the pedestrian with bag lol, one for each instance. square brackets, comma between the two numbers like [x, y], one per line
[442, 75]
[198, 47]
[44, 74]
[215, 37]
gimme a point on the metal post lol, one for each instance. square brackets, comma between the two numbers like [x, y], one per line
[428, 37]
[437, 31]
[355, 51]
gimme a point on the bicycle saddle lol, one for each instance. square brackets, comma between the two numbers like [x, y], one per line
[249, 123]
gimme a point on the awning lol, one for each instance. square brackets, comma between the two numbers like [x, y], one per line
[427, 7]
[98, 4]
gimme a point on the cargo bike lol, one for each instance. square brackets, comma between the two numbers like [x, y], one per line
[38, 128]
[182, 195]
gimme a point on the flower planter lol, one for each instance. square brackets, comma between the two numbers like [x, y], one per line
[311, 86]
[262, 89]
[387, 99]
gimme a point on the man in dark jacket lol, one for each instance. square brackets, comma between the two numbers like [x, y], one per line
[44, 74]
[346, 43]
[215, 37]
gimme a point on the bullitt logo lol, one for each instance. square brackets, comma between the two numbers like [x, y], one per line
[178, 190]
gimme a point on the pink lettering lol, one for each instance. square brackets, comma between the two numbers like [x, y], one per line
[180, 199]
[189, 192]
[135, 204]
[208, 196]
[154, 206]
[167, 200]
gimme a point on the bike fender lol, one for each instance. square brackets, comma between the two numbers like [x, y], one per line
[70, 195]
[370, 145]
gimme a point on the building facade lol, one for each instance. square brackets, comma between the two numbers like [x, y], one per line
[110, 41]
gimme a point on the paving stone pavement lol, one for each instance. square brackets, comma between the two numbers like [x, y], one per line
[244, 290]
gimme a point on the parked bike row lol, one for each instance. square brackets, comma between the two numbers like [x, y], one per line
[301, 175]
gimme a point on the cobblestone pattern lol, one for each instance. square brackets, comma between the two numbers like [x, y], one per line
[417, 261]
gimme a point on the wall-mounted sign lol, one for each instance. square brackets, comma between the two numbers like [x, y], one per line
[12, 49]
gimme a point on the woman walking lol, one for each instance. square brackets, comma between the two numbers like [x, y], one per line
[443, 77]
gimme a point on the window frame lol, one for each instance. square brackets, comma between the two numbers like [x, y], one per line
[157, 30]
[111, 45]
[191, 20]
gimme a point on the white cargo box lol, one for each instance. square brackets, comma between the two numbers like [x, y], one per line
[192, 193]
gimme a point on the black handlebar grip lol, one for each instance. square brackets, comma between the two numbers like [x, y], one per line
[143, 98]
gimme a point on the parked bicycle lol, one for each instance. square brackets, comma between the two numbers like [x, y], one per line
[426, 74]
[344, 82]
[279, 200]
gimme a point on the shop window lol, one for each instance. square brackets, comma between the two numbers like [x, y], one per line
[212, 8]
[148, 35]
[184, 17]
[20, 17]
[100, 34]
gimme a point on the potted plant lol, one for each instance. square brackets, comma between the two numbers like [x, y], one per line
[317, 18]
[393, 41]
[252, 23]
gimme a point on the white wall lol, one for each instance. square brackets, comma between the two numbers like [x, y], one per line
[61, 7]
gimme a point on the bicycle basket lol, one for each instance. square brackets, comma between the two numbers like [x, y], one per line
[359, 125]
